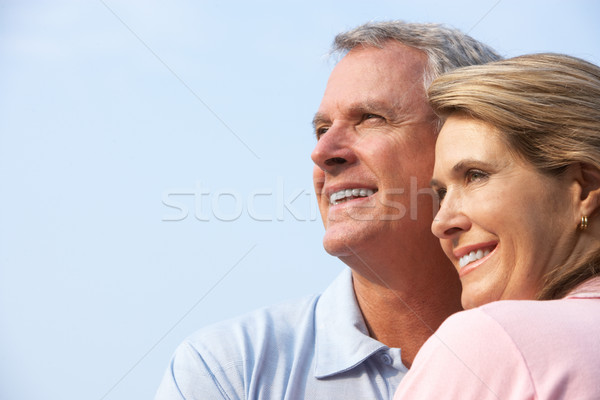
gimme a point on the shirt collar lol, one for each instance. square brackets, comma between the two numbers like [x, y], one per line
[588, 289]
[342, 338]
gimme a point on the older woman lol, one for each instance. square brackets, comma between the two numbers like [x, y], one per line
[517, 171]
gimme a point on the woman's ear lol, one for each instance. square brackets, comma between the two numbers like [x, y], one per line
[590, 189]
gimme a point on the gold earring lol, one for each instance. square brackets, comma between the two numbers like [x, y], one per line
[584, 223]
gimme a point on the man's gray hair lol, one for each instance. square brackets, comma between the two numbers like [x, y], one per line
[446, 48]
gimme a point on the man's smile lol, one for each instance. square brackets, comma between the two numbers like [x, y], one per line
[349, 194]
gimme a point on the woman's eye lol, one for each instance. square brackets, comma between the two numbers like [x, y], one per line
[475, 175]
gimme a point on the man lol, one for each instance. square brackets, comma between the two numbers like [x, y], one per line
[373, 161]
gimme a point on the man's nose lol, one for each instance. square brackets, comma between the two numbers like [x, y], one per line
[450, 221]
[335, 149]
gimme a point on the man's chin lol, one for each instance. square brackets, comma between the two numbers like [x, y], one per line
[336, 249]
[340, 243]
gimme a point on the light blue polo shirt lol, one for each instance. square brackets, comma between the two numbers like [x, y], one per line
[314, 348]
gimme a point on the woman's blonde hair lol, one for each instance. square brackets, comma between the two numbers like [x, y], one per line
[546, 107]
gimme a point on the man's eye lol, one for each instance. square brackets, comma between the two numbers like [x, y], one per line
[321, 131]
[370, 116]
[475, 175]
[441, 193]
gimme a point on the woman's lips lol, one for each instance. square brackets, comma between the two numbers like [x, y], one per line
[475, 256]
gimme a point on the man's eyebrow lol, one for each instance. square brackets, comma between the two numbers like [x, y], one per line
[318, 119]
[368, 107]
[434, 183]
[375, 107]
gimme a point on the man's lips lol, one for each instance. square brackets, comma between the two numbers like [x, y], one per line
[349, 194]
[339, 194]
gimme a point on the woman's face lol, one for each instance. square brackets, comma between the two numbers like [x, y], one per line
[502, 223]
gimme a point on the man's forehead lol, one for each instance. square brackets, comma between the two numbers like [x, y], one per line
[387, 81]
[393, 69]
[390, 49]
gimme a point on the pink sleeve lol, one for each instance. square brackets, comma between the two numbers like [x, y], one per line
[469, 357]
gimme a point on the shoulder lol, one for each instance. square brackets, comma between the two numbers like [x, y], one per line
[259, 326]
[474, 357]
[524, 321]
[503, 349]
[538, 331]
[546, 323]
[469, 334]
[561, 333]
[223, 359]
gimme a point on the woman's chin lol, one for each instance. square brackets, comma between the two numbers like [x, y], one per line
[471, 300]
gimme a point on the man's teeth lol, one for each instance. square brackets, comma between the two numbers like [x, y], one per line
[472, 256]
[337, 197]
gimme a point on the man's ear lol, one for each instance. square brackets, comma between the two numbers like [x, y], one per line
[590, 189]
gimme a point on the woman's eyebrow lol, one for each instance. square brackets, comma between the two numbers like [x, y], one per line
[470, 163]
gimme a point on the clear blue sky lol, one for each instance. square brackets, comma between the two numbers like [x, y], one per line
[154, 160]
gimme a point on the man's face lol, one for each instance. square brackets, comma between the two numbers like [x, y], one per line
[375, 151]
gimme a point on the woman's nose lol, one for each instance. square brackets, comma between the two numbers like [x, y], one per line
[450, 220]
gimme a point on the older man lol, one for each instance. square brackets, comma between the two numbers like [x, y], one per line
[373, 160]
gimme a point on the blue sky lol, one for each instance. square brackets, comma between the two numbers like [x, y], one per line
[156, 175]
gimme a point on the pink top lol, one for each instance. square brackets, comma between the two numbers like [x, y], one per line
[513, 349]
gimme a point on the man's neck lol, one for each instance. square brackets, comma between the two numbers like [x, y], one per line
[404, 310]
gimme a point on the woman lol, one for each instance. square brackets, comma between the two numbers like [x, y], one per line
[517, 171]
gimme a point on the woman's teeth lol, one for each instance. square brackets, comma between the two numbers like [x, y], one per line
[472, 256]
[347, 194]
